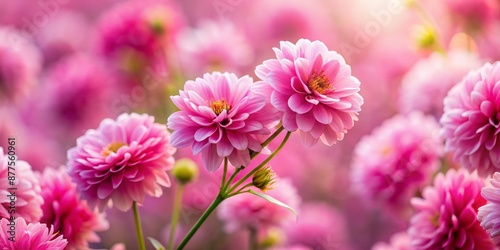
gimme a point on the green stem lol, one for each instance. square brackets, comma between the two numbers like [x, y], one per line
[175, 215]
[266, 142]
[263, 163]
[253, 238]
[241, 189]
[138, 227]
[218, 199]
[223, 184]
[228, 183]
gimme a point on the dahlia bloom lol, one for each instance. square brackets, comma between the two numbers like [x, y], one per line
[20, 64]
[446, 214]
[247, 210]
[214, 46]
[397, 159]
[314, 90]
[65, 213]
[399, 241]
[122, 161]
[30, 236]
[27, 193]
[425, 85]
[488, 214]
[220, 116]
[471, 120]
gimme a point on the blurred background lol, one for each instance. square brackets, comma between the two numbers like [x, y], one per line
[66, 64]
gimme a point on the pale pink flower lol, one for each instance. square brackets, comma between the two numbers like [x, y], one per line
[424, 86]
[214, 46]
[220, 116]
[28, 201]
[489, 214]
[397, 159]
[65, 214]
[399, 241]
[122, 161]
[446, 214]
[314, 90]
[29, 236]
[246, 210]
[471, 121]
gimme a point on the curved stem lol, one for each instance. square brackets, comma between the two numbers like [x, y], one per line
[241, 189]
[228, 183]
[269, 140]
[223, 184]
[218, 199]
[138, 227]
[175, 215]
[263, 163]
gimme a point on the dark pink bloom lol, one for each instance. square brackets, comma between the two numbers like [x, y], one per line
[220, 116]
[446, 214]
[27, 194]
[32, 236]
[122, 161]
[471, 120]
[314, 90]
[397, 159]
[65, 213]
[489, 214]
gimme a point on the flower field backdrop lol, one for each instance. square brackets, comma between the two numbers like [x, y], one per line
[238, 124]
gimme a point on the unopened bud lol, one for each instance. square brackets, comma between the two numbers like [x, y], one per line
[426, 37]
[185, 170]
[264, 179]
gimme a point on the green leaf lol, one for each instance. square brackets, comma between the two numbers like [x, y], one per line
[274, 201]
[157, 245]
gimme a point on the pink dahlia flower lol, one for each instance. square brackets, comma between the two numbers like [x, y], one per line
[27, 193]
[122, 161]
[220, 116]
[32, 236]
[471, 120]
[446, 214]
[399, 241]
[314, 90]
[247, 210]
[397, 159]
[65, 213]
[489, 214]
[424, 86]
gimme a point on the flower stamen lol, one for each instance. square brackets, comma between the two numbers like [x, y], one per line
[319, 82]
[112, 148]
[219, 106]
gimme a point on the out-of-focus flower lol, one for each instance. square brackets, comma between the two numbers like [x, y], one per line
[29, 236]
[471, 120]
[424, 87]
[314, 90]
[65, 213]
[135, 34]
[20, 64]
[446, 214]
[246, 210]
[399, 241]
[473, 14]
[489, 214]
[397, 159]
[122, 161]
[28, 200]
[214, 46]
[319, 226]
[220, 116]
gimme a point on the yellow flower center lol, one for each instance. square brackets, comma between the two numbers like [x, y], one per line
[112, 147]
[319, 82]
[219, 105]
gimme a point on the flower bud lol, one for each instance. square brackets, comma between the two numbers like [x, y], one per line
[185, 170]
[264, 179]
[426, 37]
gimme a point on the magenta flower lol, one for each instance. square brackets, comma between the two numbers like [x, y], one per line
[28, 201]
[397, 159]
[446, 214]
[65, 213]
[314, 90]
[122, 161]
[247, 210]
[220, 116]
[489, 214]
[32, 236]
[399, 241]
[471, 120]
